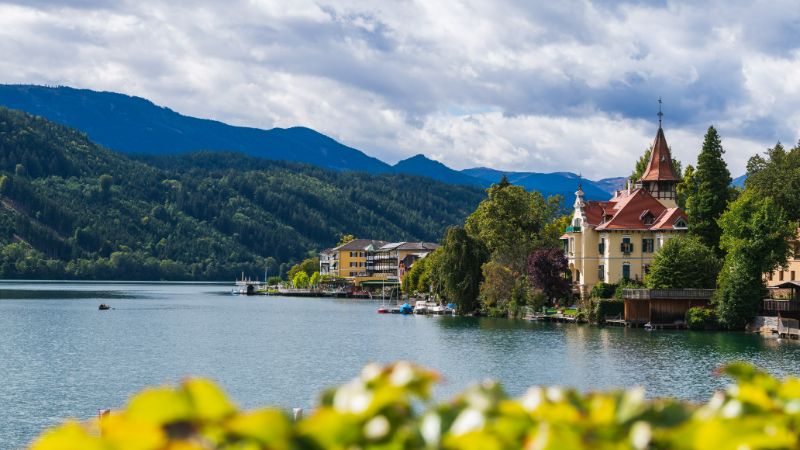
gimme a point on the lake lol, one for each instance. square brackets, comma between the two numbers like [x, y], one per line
[61, 357]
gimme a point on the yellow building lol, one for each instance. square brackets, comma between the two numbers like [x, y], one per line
[617, 239]
[792, 272]
[348, 260]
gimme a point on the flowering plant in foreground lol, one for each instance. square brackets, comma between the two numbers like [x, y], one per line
[389, 407]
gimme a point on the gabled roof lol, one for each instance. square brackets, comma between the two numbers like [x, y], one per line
[359, 244]
[629, 211]
[422, 246]
[659, 168]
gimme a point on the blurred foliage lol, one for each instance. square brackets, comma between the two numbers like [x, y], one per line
[389, 407]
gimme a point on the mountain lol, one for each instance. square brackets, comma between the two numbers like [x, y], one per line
[611, 184]
[559, 183]
[423, 166]
[70, 208]
[135, 125]
[739, 181]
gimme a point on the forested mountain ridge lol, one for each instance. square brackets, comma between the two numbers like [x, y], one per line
[72, 209]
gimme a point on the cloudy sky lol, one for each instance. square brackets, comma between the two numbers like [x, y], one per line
[511, 84]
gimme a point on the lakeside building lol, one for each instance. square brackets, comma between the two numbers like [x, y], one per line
[792, 271]
[616, 239]
[372, 261]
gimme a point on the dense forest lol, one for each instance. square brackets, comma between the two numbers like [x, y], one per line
[72, 209]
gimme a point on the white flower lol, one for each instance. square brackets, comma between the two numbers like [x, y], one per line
[641, 433]
[533, 398]
[732, 409]
[469, 420]
[402, 374]
[431, 429]
[352, 397]
[371, 371]
[555, 394]
[377, 428]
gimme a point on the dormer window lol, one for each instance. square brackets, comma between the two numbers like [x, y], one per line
[576, 223]
[679, 224]
[647, 217]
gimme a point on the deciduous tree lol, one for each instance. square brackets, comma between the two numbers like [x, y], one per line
[547, 268]
[683, 262]
[459, 266]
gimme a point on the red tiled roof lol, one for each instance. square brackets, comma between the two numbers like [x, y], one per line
[659, 168]
[631, 211]
[667, 220]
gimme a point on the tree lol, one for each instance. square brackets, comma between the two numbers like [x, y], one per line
[685, 187]
[308, 265]
[496, 288]
[710, 191]
[641, 165]
[345, 238]
[755, 234]
[300, 280]
[740, 291]
[459, 267]
[314, 280]
[106, 181]
[547, 268]
[510, 223]
[757, 228]
[683, 262]
[777, 175]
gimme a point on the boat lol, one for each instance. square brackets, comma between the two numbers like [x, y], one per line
[450, 309]
[406, 309]
[648, 326]
[383, 310]
[421, 307]
[436, 309]
[103, 307]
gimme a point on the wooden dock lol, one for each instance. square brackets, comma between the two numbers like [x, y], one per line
[788, 328]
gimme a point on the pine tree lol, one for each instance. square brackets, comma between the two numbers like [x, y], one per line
[710, 193]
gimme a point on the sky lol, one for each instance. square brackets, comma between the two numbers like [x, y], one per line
[516, 85]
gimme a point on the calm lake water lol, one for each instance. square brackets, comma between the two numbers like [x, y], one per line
[61, 357]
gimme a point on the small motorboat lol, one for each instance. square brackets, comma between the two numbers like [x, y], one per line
[103, 307]
[406, 309]
[383, 310]
[648, 326]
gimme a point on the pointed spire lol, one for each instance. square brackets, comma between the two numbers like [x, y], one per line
[660, 114]
[659, 168]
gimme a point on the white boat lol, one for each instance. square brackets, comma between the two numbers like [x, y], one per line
[421, 307]
[437, 309]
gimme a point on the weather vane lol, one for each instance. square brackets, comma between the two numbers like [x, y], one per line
[660, 114]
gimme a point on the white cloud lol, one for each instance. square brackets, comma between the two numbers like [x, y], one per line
[564, 86]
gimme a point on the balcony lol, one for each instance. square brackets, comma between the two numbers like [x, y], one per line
[571, 229]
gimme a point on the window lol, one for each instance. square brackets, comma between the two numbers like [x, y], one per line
[780, 276]
[626, 246]
[791, 275]
[771, 276]
[577, 222]
[626, 271]
[647, 245]
[351, 254]
[571, 245]
[578, 276]
[659, 242]
[679, 224]
[601, 247]
[601, 272]
[797, 251]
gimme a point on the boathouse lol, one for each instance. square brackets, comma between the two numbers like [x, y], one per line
[662, 307]
[784, 300]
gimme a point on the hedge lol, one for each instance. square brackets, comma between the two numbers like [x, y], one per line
[389, 407]
[608, 307]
